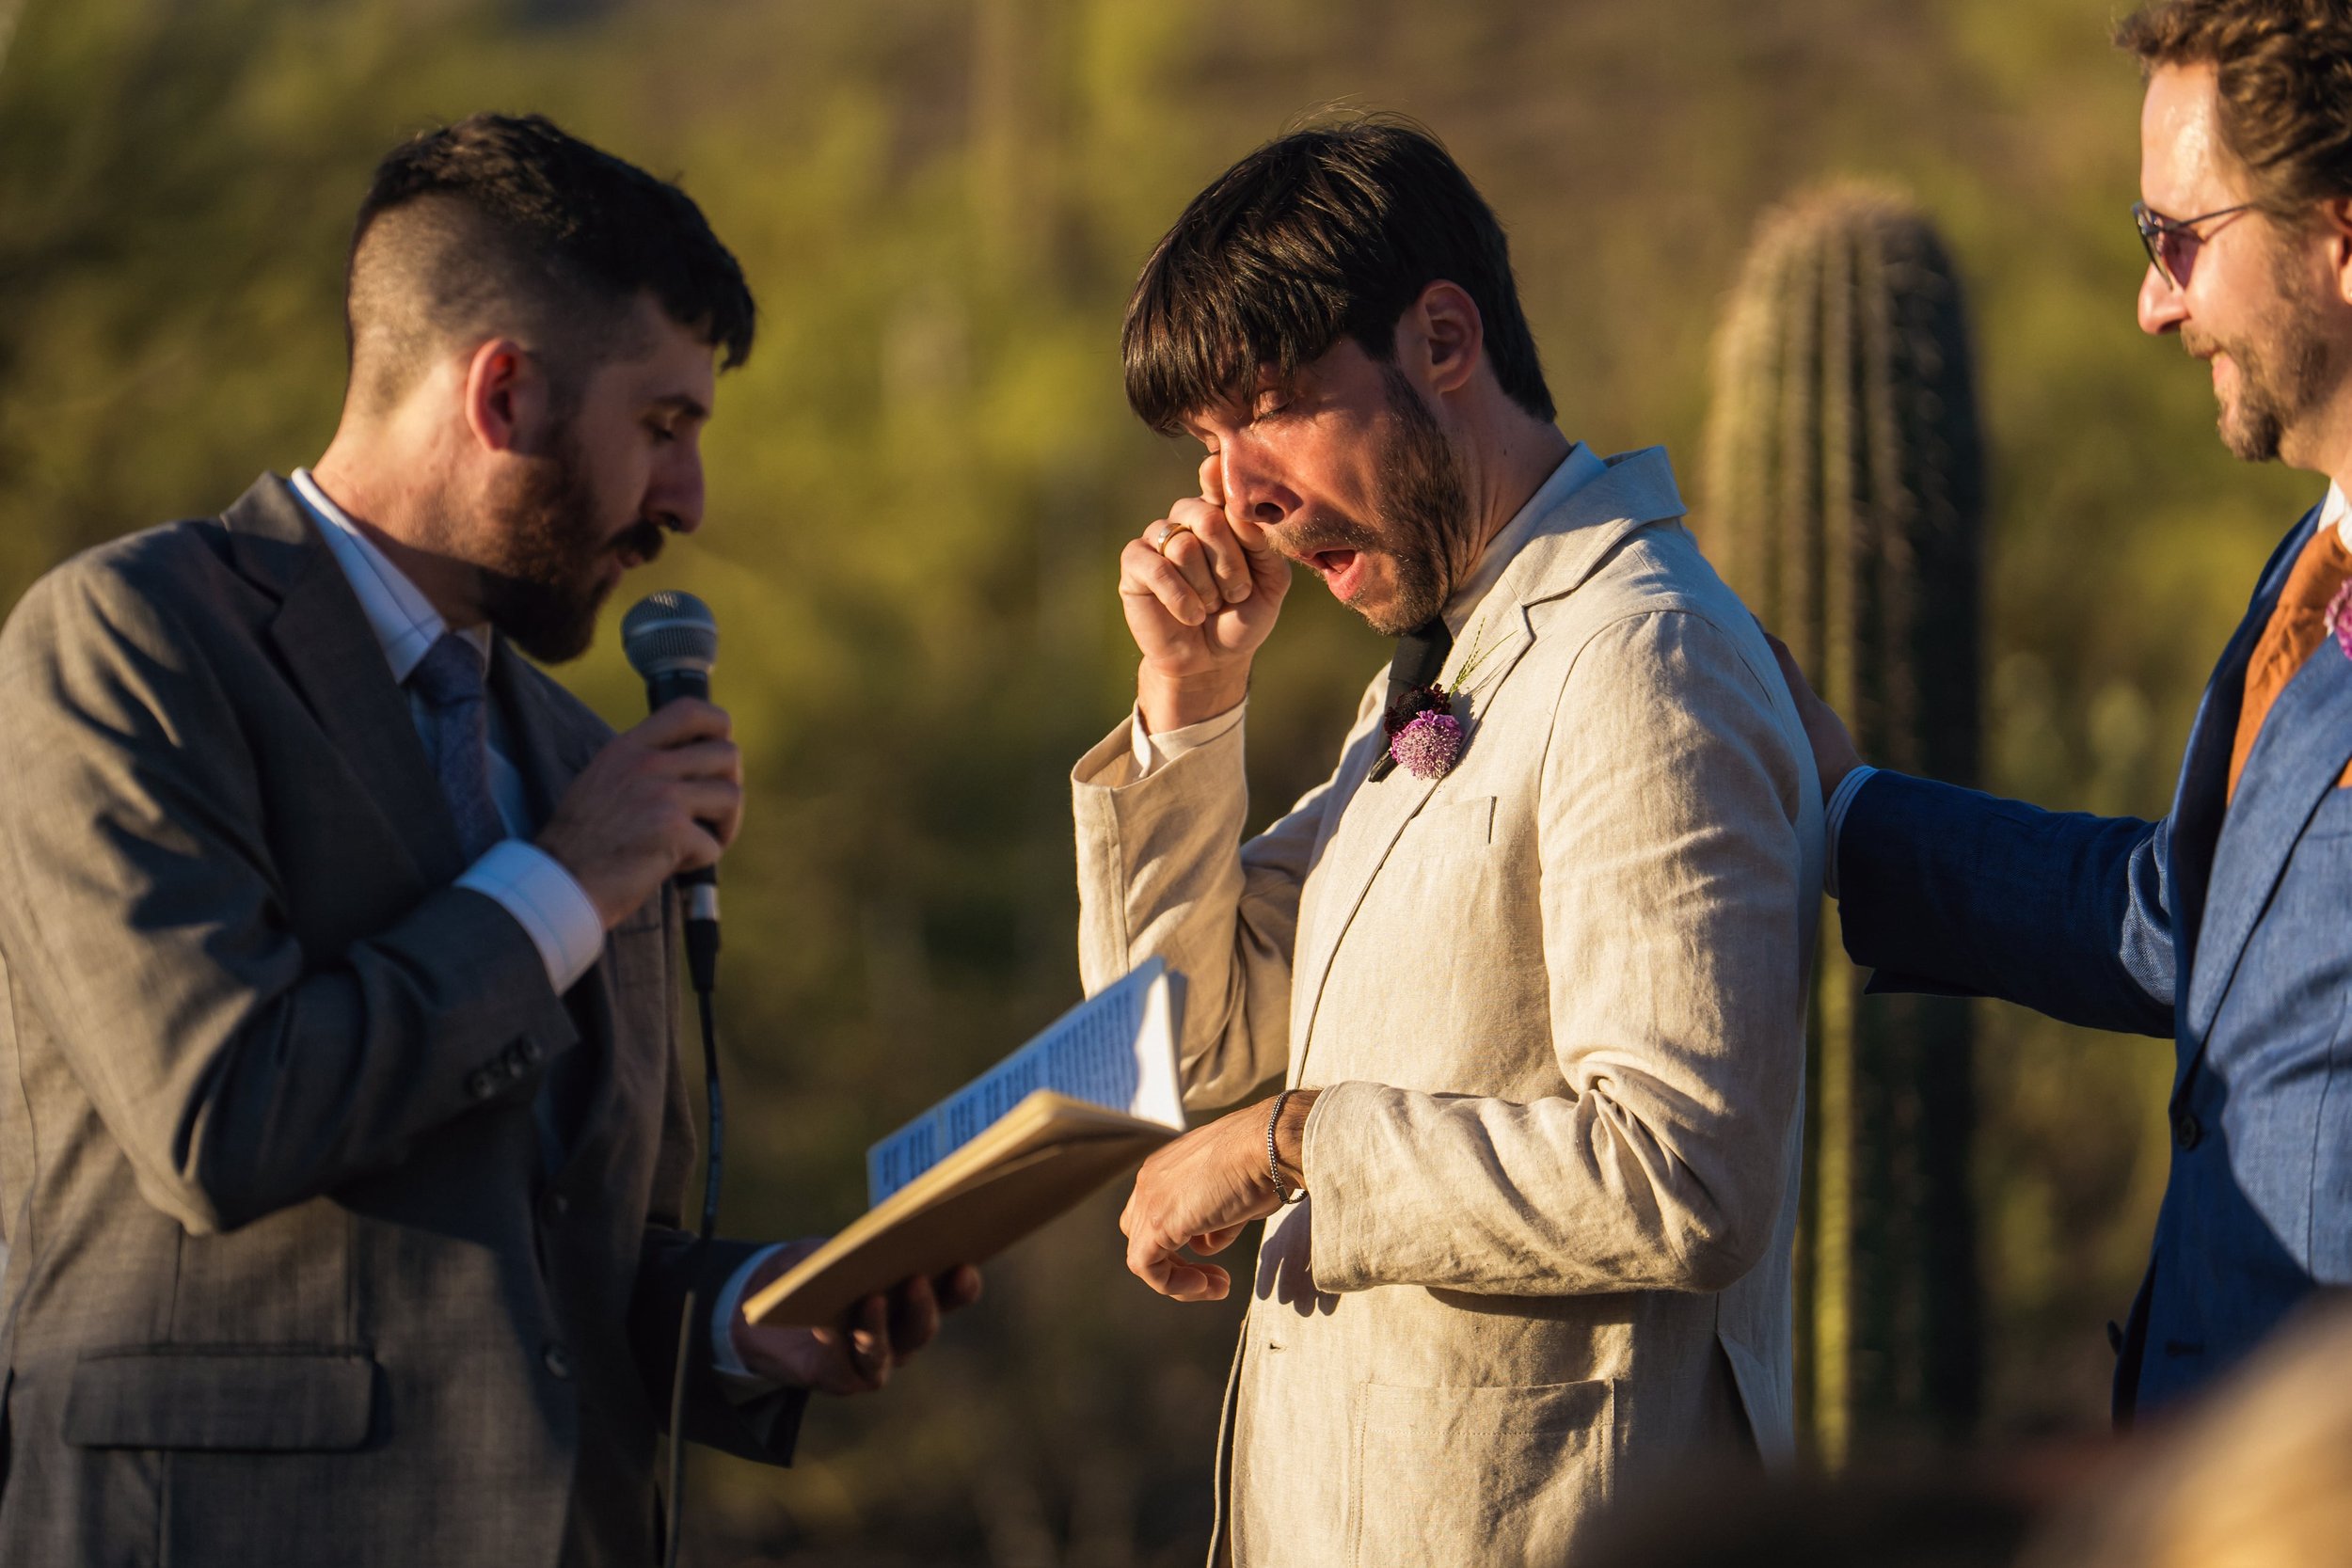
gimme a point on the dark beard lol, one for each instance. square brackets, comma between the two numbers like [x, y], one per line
[2271, 396]
[544, 585]
[1424, 511]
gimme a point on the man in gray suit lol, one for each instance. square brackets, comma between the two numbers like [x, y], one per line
[344, 1138]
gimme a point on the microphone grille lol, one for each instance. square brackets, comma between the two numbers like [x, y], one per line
[670, 631]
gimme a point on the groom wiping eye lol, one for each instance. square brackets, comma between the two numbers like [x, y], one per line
[1529, 967]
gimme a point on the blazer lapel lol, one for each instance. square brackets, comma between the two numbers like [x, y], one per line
[550, 754]
[322, 638]
[1566, 547]
[2301, 752]
[2201, 797]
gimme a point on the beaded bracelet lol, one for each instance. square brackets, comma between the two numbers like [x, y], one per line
[1273, 1161]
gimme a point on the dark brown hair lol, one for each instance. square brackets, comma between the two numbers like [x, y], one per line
[506, 223]
[2283, 68]
[1325, 233]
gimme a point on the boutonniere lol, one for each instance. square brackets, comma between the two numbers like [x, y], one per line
[1424, 737]
[2340, 618]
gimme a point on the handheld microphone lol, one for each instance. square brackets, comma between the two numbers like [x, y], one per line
[672, 640]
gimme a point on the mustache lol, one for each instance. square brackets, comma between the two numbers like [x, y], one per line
[644, 538]
[1302, 540]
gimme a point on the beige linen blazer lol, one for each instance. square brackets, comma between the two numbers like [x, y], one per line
[1555, 1003]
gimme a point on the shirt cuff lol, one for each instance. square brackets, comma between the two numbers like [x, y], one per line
[724, 1359]
[1834, 820]
[545, 899]
[1156, 751]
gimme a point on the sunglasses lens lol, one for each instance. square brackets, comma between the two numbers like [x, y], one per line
[2176, 252]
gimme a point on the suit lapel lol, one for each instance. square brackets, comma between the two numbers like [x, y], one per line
[2203, 795]
[550, 754]
[1567, 546]
[2304, 744]
[2201, 804]
[323, 640]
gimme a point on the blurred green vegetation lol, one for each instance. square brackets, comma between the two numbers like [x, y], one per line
[920, 483]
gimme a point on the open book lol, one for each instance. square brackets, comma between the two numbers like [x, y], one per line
[1016, 1146]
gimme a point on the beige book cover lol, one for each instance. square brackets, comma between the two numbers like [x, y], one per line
[1076, 1107]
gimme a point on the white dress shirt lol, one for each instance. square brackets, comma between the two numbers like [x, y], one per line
[1576, 471]
[545, 900]
[2334, 513]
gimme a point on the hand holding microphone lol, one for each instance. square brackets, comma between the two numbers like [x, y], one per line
[665, 799]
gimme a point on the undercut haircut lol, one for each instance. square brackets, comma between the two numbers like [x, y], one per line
[2283, 72]
[507, 225]
[1326, 234]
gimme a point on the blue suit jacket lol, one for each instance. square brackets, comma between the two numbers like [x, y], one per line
[2228, 927]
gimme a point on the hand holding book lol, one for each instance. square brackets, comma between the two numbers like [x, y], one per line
[876, 1334]
[1068, 1112]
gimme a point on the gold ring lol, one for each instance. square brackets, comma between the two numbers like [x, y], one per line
[1168, 530]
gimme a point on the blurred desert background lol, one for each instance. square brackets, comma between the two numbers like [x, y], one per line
[920, 483]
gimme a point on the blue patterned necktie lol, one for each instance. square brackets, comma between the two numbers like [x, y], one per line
[457, 699]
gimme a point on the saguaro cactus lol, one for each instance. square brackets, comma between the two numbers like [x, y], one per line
[1845, 498]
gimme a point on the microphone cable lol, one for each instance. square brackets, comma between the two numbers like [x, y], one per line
[675, 1513]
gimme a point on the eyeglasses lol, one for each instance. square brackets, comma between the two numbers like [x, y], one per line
[2172, 243]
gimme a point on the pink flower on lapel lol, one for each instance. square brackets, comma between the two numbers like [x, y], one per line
[2340, 618]
[1428, 744]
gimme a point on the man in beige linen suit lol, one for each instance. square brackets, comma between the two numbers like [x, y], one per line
[1539, 1007]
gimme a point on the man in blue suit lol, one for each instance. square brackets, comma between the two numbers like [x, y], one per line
[2227, 925]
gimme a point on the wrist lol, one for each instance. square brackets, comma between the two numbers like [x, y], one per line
[1172, 701]
[1289, 1128]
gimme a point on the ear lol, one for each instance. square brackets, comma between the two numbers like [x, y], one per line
[1443, 337]
[2335, 223]
[506, 401]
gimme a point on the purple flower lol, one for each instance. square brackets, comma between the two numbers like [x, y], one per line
[2340, 618]
[1426, 746]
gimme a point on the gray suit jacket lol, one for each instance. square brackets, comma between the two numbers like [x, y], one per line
[1555, 1006]
[292, 1278]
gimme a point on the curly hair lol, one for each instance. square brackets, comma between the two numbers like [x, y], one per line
[2283, 69]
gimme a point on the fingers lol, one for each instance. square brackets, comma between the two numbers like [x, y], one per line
[1217, 1241]
[1210, 543]
[1144, 572]
[1212, 481]
[1789, 669]
[958, 1287]
[1171, 1275]
[1161, 1266]
[681, 723]
[913, 1317]
[861, 1362]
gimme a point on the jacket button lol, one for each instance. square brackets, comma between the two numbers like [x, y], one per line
[558, 1360]
[531, 1051]
[555, 1207]
[2187, 1130]
[481, 1083]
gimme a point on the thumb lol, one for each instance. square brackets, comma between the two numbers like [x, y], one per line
[1212, 481]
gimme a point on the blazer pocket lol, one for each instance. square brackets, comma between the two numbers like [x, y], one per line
[1450, 828]
[1478, 1475]
[256, 1398]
